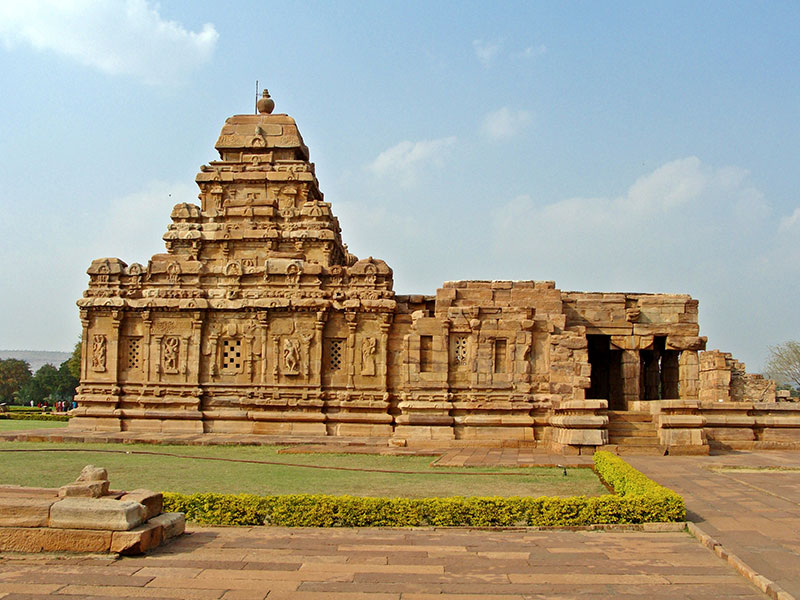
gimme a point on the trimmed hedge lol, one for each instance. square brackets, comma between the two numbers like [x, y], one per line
[638, 500]
[33, 417]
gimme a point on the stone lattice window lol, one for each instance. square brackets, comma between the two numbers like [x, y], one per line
[232, 356]
[335, 354]
[133, 353]
[460, 343]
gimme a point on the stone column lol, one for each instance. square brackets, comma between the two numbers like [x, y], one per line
[319, 327]
[386, 325]
[446, 350]
[352, 324]
[276, 353]
[669, 376]
[84, 344]
[688, 375]
[474, 350]
[158, 339]
[631, 368]
[112, 363]
[263, 322]
[652, 377]
[147, 322]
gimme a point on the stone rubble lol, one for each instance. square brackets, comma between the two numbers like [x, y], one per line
[63, 520]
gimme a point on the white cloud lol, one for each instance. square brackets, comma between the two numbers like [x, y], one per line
[675, 218]
[118, 37]
[404, 162]
[505, 123]
[790, 223]
[486, 51]
[531, 52]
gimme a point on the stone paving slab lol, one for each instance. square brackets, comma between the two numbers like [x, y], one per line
[393, 564]
[754, 513]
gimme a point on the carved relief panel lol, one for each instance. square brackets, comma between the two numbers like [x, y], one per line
[369, 348]
[170, 353]
[99, 351]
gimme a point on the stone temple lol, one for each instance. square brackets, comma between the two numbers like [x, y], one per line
[257, 320]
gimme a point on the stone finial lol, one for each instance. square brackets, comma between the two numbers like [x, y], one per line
[265, 104]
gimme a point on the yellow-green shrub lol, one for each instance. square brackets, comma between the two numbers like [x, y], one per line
[638, 500]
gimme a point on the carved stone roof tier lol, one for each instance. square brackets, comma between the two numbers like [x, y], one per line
[262, 230]
[261, 133]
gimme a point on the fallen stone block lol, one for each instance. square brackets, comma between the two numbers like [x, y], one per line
[96, 513]
[25, 512]
[35, 539]
[152, 501]
[139, 539]
[174, 524]
[93, 489]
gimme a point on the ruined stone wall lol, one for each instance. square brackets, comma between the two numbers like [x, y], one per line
[724, 379]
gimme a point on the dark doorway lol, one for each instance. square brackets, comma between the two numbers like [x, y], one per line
[606, 377]
[659, 375]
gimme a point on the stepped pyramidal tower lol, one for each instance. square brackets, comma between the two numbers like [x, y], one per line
[257, 320]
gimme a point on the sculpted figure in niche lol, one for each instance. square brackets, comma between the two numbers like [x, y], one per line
[291, 355]
[171, 348]
[173, 272]
[368, 349]
[99, 353]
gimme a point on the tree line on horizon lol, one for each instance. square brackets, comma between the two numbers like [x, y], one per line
[50, 384]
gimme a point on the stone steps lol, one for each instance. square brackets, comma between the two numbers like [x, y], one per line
[632, 432]
[622, 449]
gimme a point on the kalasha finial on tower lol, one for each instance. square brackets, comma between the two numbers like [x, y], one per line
[265, 104]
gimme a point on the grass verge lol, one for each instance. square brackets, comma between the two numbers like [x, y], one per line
[39, 466]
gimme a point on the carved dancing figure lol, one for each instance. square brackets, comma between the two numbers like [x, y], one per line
[368, 349]
[99, 353]
[291, 355]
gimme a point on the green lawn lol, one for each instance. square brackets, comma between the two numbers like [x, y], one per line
[37, 466]
[13, 425]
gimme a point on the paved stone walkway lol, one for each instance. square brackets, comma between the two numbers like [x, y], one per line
[753, 514]
[389, 564]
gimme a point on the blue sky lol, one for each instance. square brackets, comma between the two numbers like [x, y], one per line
[607, 146]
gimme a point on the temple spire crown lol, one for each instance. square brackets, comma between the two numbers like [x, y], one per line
[265, 104]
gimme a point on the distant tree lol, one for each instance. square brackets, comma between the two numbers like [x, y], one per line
[67, 382]
[41, 387]
[14, 374]
[74, 361]
[49, 385]
[783, 364]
